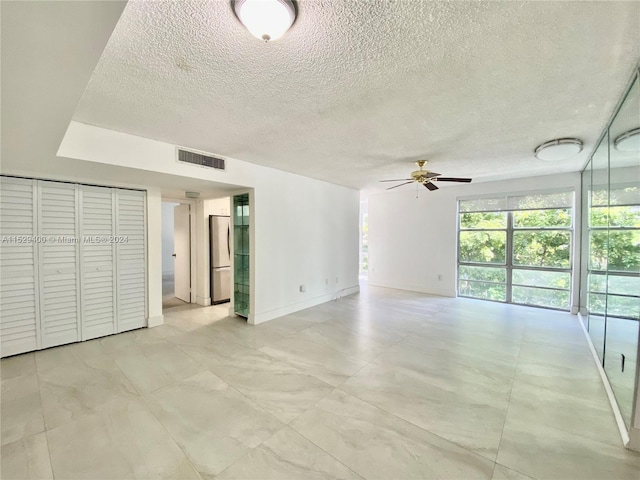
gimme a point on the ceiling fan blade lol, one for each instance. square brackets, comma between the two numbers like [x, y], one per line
[432, 174]
[430, 186]
[452, 179]
[399, 180]
[396, 186]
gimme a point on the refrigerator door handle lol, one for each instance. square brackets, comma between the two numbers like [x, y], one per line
[229, 240]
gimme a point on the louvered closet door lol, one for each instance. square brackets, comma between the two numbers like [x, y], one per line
[19, 320]
[131, 285]
[59, 269]
[97, 253]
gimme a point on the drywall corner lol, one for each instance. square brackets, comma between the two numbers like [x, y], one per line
[204, 301]
[155, 321]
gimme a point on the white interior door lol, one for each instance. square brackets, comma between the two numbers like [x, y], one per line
[59, 262]
[131, 249]
[97, 226]
[19, 318]
[182, 252]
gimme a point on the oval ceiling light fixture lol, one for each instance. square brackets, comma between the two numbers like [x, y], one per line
[559, 149]
[265, 19]
[628, 141]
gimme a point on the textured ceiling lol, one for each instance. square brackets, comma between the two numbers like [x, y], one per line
[356, 90]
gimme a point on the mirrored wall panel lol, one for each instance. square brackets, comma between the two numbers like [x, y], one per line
[610, 299]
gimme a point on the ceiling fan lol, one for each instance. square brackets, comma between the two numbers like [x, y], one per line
[426, 178]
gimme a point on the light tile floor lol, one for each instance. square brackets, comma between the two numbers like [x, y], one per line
[382, 385]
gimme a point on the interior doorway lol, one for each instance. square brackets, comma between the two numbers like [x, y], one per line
[176, 254]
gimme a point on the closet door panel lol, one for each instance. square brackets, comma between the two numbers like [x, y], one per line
[97, 221]
[19, 318]
[131, 260]
[59, 263]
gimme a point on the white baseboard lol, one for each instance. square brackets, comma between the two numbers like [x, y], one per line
[622, 428]
[155, 321]
[294, 307]
[204, 301]
[414, 288]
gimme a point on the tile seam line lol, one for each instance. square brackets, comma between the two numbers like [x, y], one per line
[300, 371]
[413, 425]
[506, 413]
[175, 442]
[293, 429]
[334, 388]
[44, 425]
[150, 410]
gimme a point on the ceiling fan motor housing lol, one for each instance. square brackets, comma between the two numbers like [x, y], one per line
[426, 178]
[419, 176]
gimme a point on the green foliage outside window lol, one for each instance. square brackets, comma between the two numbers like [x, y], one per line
[483, 247]
[542, 248]
[483, 220]
[541, 297]
[542, 218]
[487, 291]
[485, 274]
[540, 238]
[541, 278]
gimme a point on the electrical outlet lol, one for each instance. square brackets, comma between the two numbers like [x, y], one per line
[439, 277]
[336, 280]
[326, 281]
[303, 288]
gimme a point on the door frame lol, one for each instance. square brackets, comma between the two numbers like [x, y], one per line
[192, 237]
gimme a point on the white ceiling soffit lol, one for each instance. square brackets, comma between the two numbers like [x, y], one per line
[357, 90]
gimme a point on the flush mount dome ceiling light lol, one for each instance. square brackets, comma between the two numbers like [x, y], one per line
[265, 19]
[559, 149]
[628, 141]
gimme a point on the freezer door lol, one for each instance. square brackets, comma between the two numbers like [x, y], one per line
[221, 279]
[220, 249]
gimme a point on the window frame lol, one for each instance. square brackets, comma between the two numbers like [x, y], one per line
[509, 264]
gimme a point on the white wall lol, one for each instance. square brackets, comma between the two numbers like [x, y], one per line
[154, 256]
[167, 238]
[413, 240]
[304, 231]
[217, 206]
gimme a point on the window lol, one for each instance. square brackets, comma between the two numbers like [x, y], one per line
[364, 239]
[517, 249]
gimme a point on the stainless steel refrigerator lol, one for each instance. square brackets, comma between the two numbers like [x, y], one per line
[219, 235]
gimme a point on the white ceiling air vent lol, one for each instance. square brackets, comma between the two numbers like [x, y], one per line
[200, 159]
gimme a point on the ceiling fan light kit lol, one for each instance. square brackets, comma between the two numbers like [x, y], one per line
[425, 178]
[558, 149]
[265, 19]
